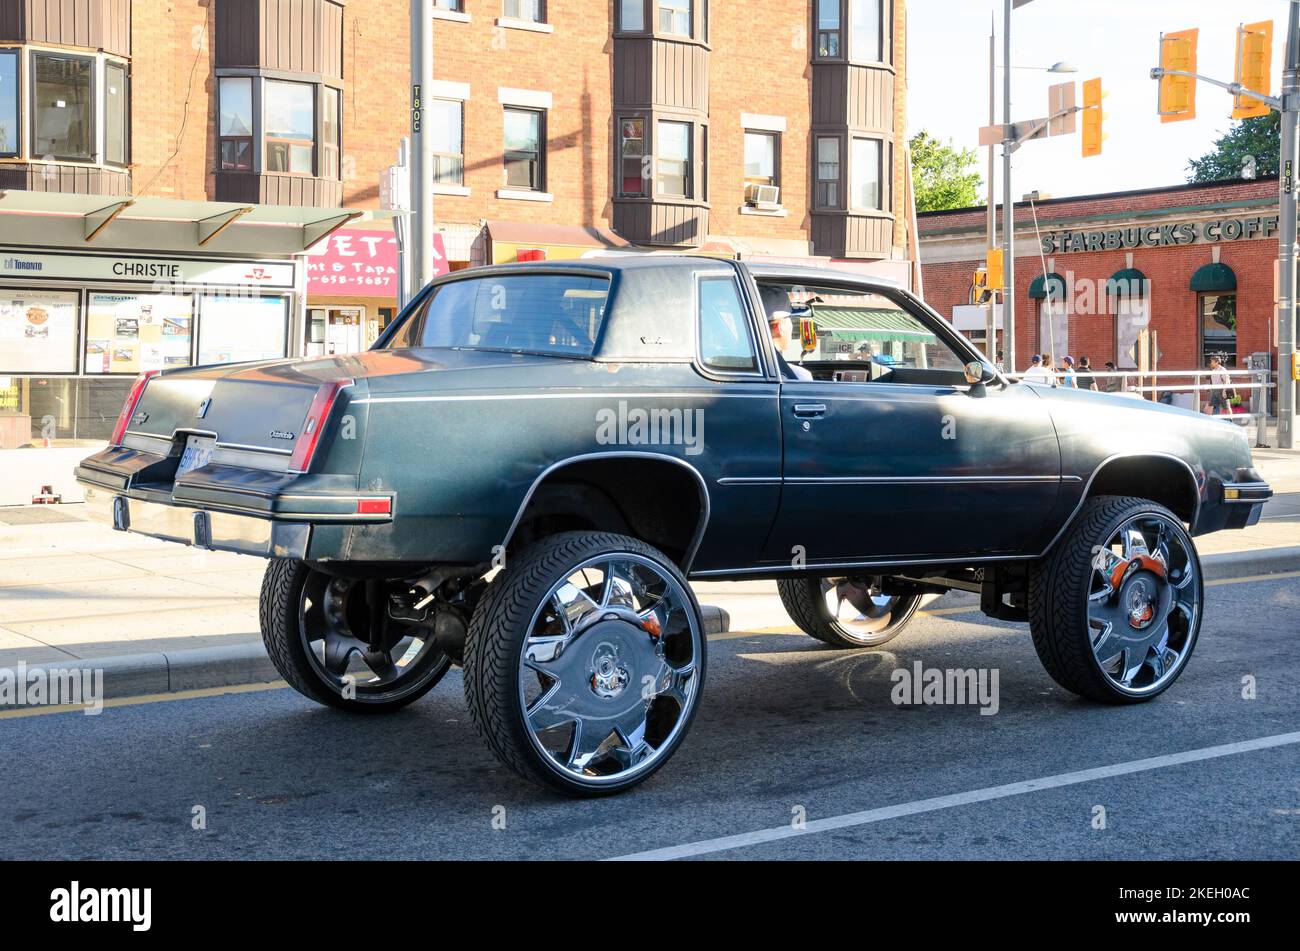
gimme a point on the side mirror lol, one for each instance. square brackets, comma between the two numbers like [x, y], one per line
[978, 372]
[807, 335]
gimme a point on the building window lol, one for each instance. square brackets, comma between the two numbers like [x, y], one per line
[446, 128]
[534, 11]
[9, 138]
[235, 123]
[64, 124]
[329, 132]
[289, 123]
[673, 159]
[631, 16]
[523, 149]
[116, 103]
[828, 172]
[828, 28]
[761, 151]
[631, 158]
[675, 17]
[864, 174]
[453, 5]
[1219, 328]
[866, 39]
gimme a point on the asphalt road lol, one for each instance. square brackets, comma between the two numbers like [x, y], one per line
[786, 725]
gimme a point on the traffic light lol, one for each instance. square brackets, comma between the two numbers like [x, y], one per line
[1178, 93]
[1254, 68]
[980, 292]
[1092, 118]
[994, 271]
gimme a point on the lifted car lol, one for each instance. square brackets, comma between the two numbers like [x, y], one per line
[523, 472]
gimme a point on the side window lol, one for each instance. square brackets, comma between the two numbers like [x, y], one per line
[725, 341]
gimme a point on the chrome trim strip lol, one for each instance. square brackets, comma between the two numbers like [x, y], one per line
[782, 569]
[242, 447]
[712, 394]
[915, 480]
[691, 549]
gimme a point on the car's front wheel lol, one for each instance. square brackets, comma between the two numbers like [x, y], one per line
[332, 639]
[585, 662]
[846, 612]
[1115, 609]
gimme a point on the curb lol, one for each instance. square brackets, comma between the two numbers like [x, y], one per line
[1246, 564]
[199, 668]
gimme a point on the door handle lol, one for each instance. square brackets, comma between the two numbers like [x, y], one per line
[810, 410]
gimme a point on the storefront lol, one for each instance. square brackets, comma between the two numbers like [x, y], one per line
[1161, 277]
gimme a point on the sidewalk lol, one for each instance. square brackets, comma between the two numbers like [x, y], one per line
[72, 590]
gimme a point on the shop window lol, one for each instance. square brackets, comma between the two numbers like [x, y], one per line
[63, 118]
[673, 159]
[235, 123]
[828, 28]
[865, 174]
[9, 137]
[675, 17]
[828, 172]
[524, 158]
[1132, 316]
[116, 105]
[631, 15]
[533, 11]
[761, 152]
[446, 125]
[1219, 328]
[866, 31]
[631, 157]
[289, 120]
[1054, 324]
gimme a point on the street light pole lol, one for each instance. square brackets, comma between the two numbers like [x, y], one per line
[421, 145]
[1008, 205]
[990, 319]
[1286, 304]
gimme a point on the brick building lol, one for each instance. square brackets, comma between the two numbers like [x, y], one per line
[1192, 263]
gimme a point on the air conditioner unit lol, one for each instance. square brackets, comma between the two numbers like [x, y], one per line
[763, 197]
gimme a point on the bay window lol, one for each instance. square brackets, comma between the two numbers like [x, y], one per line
[853, 29]
[235, 123]
[673, 158]
[329, 131]
[289, 123]
[278, 126]
[864, 174]
[828, 28]
[828, 172]
[10, 140]
[631, 158]
[675, 17]
[63, 120]
[866, 39]
[631, 15]
[116, 112]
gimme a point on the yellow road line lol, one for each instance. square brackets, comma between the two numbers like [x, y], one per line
[1243, 580]
[144, 698]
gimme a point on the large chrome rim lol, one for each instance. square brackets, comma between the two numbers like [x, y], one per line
[1144, 603]
[356, 648]
[610, 670]
[857, 605]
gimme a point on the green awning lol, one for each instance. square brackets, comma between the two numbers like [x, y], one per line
[867, 324]
[1214, 277]
[1038, 287]
[1129, 281]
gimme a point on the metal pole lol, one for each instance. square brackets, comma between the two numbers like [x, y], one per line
[402, 223]
[421, 144]
[1008, 206]
[1286, 310]
[990, 319]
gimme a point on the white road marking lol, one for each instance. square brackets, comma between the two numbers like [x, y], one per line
[849, 820]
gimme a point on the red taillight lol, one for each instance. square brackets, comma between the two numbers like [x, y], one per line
[317, 415]
[374, 506]
[128, 408]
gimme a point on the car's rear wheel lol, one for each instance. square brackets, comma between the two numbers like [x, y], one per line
[333, 640]
[846, 612]
[585, 662]
[1115, 609]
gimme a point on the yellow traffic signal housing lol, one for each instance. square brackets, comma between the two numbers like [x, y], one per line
[1254, 68]
[994, 272]
[980, 291]
[1178, 93]
[1092, 118]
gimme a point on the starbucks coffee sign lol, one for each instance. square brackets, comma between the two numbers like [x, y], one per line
[1161, 236]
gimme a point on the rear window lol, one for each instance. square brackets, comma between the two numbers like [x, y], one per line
[528, 313]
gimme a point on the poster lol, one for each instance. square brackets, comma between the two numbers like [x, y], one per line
[234, 329]
[38, 331]
[131, 333]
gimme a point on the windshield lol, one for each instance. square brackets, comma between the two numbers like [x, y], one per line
[526, 313]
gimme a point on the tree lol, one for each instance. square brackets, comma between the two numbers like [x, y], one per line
[943, 176]
[1259, 138]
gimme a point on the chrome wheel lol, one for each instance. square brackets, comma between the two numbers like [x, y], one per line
[1143, 604]
[859, 608]
[610, 669]
[356, 649]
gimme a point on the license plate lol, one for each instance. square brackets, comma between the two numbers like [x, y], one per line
[198, 450]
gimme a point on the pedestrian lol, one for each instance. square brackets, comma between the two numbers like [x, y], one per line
[1068, 377]
[1036, 373]
[1086, 380]
[998, 362]
[1221, 393]
[1110, 384]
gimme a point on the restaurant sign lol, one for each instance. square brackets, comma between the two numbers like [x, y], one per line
[1162, 235]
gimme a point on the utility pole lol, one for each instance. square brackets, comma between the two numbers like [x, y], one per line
[1008, 204]
[421, 145]
[990, 320]
[1286, 304]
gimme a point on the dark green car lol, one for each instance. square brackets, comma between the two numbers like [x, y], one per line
[523, 472]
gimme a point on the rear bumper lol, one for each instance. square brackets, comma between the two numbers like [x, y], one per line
[202, 528]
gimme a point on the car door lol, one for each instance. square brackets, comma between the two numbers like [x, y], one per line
[913, 463]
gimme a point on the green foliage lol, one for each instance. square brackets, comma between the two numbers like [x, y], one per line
[1260, 137]
[943, 176]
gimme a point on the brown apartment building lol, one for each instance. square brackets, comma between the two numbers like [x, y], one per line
[164, 164]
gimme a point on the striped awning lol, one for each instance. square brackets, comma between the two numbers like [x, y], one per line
[868, 324]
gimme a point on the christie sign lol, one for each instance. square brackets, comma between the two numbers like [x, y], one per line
[353, 262]
[1162, 235]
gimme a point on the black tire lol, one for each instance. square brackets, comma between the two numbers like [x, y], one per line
[499, 630]
[805, 602]
[1059, 587]
[279, 610]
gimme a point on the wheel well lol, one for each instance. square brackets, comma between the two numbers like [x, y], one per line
[661, 502]
[1158, 478]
